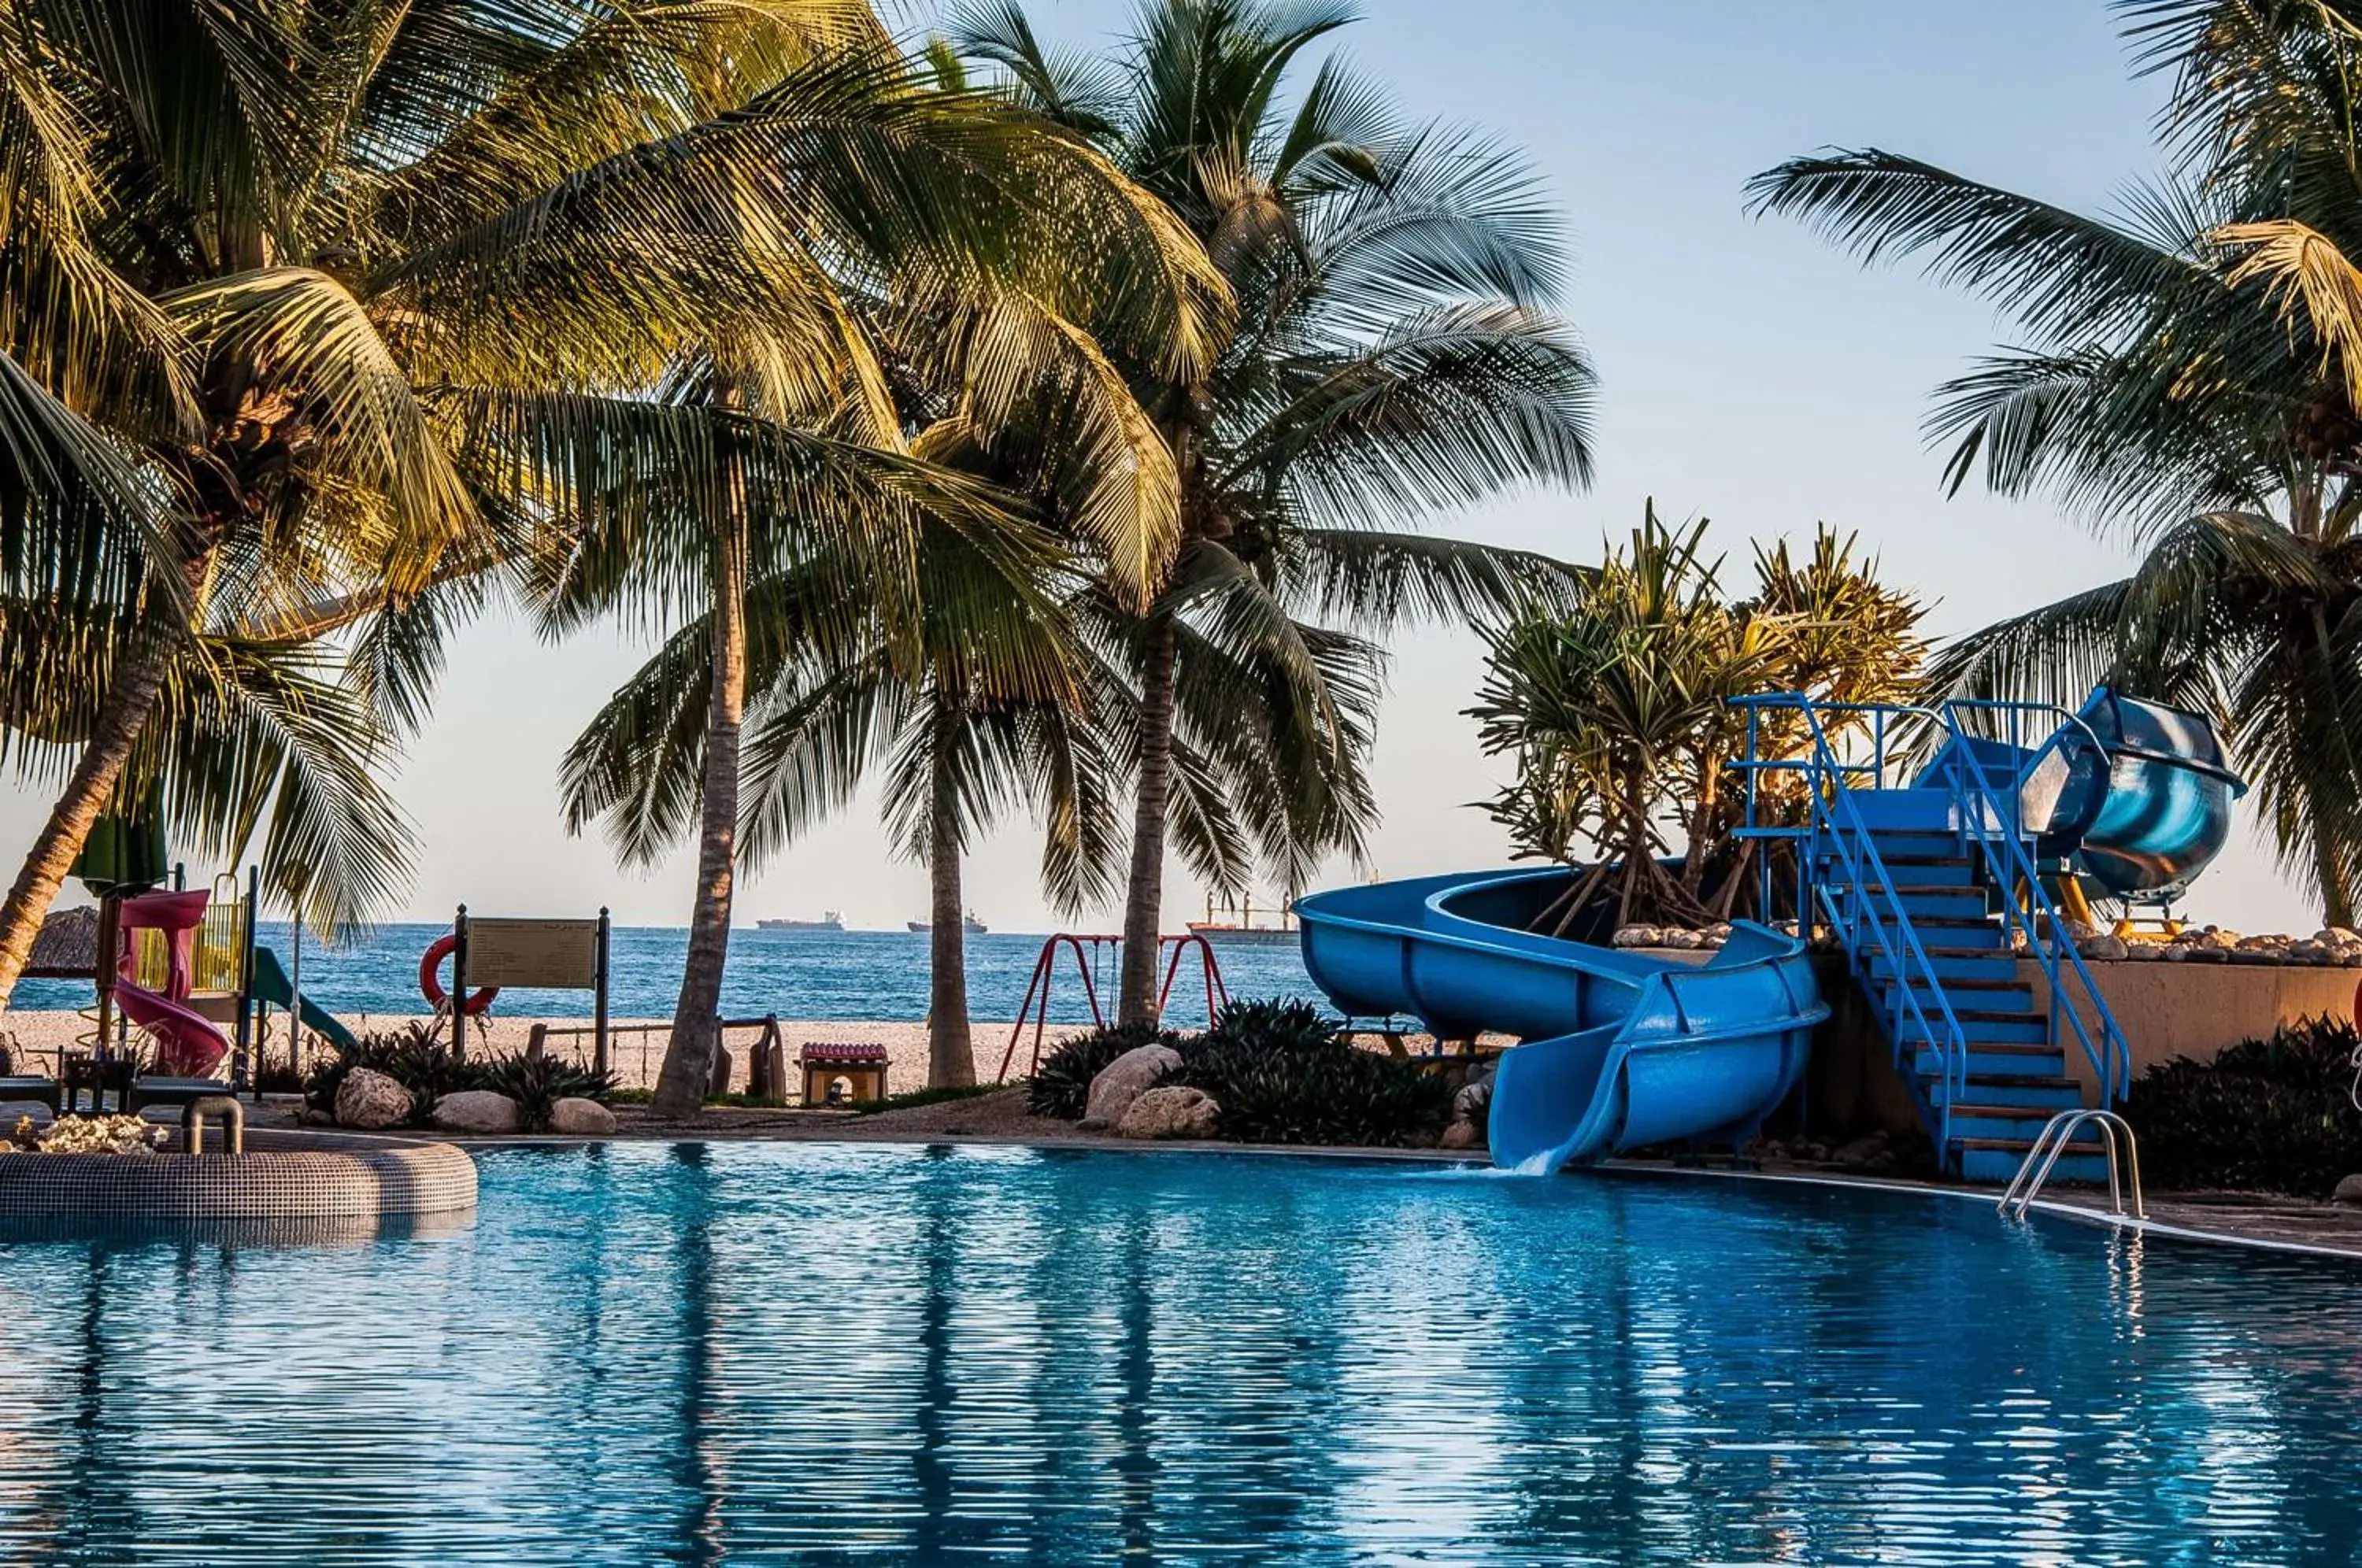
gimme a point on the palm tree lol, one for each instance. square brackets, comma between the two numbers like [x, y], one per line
[2190, 378]
[739, 471]
[1395, 353]
[286, 267]
[414, 279]
[991, 719]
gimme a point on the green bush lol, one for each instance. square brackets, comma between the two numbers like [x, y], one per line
[2274, 1115]
[419, 1058]
[537, 1083]
[1282, 1075]
[1061, 1085]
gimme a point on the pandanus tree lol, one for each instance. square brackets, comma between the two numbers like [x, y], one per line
[1395, 353]
[2189, 380]
[1618, 708]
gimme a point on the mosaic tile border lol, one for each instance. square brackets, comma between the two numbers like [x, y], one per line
[427, 1178]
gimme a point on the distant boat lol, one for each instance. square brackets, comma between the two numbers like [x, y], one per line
[1242, 931]
[832, 921]
[968, 924]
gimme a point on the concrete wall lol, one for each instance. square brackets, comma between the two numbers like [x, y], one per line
[2194, 1009]
[2165, 1010]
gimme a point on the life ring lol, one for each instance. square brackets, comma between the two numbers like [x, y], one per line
[430, 983]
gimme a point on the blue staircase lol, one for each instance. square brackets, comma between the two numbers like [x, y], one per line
[1930, 885]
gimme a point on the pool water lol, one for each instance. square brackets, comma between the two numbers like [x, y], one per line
[819, 1354]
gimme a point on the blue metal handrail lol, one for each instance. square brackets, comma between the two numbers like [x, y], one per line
[1849, 838]
[2038, 919]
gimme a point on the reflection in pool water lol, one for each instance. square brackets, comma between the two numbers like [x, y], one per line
[825, 1353]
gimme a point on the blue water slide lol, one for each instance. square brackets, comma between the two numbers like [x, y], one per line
[2139, 794]
[1618, 1050]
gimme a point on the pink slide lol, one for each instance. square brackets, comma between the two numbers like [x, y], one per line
[187, 1043]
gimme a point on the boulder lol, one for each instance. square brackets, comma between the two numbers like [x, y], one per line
[1638, 936]
[1475, 1097]
[582, 1118]
[1125, 1079]
[2144, 952]
[1174, 1111]
[369, 1099]
[2349, 1192]
[1459, 1135]
[476, 1111]
[2337, 936]
[2107, 949]
[1679, 941]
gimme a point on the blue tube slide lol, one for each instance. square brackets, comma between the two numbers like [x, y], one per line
[1618, 1050]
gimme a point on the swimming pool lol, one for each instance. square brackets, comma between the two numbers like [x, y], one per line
[832, 1354]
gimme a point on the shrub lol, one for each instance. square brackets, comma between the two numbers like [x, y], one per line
[419, 1058]
[537, 1083]
[1061, 1085]
[1282, 1075]
[2275, 1115]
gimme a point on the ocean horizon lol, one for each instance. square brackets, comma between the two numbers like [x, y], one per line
[798, 975]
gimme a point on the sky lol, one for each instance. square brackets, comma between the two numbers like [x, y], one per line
[1749, 374]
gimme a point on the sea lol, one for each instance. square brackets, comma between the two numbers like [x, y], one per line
[799, 975]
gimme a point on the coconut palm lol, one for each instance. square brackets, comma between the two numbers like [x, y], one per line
[1395, 355]
[2188, 380]
[989, 720]
[426, 272]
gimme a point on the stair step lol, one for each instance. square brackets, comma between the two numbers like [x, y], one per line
[1992, 1056]
[2053, 1093]
[1994, 1160]
[2002, 1123]
[1949, 963]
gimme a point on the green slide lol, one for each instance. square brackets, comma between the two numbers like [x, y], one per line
[271, 985]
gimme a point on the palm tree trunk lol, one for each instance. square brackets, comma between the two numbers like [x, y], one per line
[130, 698]
[2336, 897]
[951, 1051]
[1143, 912]
[687, 1068]
[132, 690]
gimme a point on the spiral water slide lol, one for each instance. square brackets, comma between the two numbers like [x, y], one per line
[1618, 1050]
[187, 1042]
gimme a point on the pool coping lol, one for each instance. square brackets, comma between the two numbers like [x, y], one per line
[2077, 1213]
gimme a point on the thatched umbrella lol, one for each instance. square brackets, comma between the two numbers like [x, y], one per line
[67, 947]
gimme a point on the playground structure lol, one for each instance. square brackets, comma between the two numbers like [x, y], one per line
[1925, 842]
[1107, 951]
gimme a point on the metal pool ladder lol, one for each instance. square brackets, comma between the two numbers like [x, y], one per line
[2056, 1135]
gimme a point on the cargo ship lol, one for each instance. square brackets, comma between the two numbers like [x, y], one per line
[969, 922]
[832, 921]
[1243, 930]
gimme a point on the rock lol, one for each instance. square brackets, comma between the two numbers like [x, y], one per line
[1172, 1111]
[2337, 936]
[1473, 1100]
[582, 1118]
[1864, 1152]
[2143, 952]
[1682, 941]
[1460, 1135]
[2348, 1193]
[1638, 936]
[1124, 1080]
[476, 1111]
[2219, 937]
[2078, 930]
[2210, 955]
[369, 1099]
[2107, 949]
